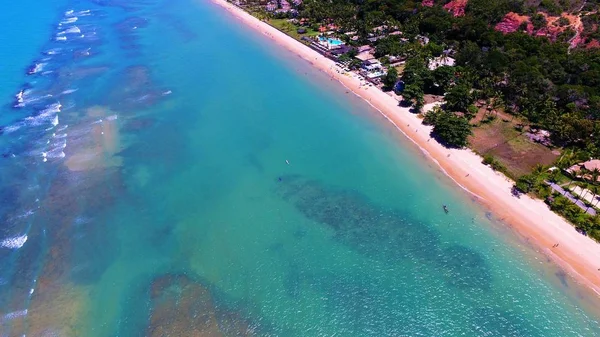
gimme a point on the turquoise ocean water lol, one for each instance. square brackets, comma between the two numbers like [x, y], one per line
[145, 192]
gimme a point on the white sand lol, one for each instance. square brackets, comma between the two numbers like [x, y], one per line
[532, 219]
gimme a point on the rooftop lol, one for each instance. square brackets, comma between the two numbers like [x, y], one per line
[590, 165]
[364, 56]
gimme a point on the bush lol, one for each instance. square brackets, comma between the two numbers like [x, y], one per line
[488, 159]
[431, 116]
[390, 79]
[458, 98]
[451, 130]
[488, 119]
[471, 111]
[538, 21]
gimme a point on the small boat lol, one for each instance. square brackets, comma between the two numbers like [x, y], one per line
[446, 209]
[287, 161]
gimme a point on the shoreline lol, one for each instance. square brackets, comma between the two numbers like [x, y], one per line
[530, 218]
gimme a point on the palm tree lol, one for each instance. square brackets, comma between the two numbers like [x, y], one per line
[595, 190]
[595, 174]
[586, 191]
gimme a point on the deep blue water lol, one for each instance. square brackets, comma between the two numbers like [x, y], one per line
[145, 192]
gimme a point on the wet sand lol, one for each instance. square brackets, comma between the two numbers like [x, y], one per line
[531, 218]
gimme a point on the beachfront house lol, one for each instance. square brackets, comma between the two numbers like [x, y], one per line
[586, 170]
[371, 65]
[372, 69]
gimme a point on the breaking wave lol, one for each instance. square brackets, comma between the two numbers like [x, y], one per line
[14, 242]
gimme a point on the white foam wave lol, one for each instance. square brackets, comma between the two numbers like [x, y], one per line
[19, 96]
[69, 12]
[168, 92]
[36, 68]
[68, 20]
[112, 117]
[55, 121]
[59, 136]
[69, 91]
[14, 314]
[70, 30]
[14, 242]
[12, 128]
[26, 99]
[27, 214]
[56, 152]
[61, 38]
[53, 51]
[47, 114]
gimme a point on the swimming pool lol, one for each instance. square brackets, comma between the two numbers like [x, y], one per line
[333, 42]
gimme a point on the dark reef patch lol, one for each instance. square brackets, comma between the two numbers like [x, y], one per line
[490, 322]
[136, 90]
[383, 233]
[127, 32]
[183, 307]
[464, 268]
[186, 33]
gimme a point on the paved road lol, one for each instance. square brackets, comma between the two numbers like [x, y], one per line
[569, 196]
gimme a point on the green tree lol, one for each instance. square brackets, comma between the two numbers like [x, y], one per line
[538, 21]
[414, 94]
[451, 130]
[458, 98]
[390, 78]
[441, 77]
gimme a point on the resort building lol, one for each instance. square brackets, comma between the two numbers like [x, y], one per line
[330, 43]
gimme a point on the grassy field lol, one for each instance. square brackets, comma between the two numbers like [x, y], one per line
[510, 147]
[291, 29]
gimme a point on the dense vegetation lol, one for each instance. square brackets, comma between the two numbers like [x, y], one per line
[542, 81]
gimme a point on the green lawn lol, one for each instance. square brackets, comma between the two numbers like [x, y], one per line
[289, 28]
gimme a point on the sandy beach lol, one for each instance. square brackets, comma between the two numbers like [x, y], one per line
[531, 218]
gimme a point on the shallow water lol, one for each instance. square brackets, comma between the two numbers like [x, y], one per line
[145, 191]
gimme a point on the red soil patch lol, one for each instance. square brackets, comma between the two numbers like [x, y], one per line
[512, 22]
[593, 44]
[456, 7]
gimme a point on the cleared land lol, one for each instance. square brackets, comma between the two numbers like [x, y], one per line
[500, 138]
